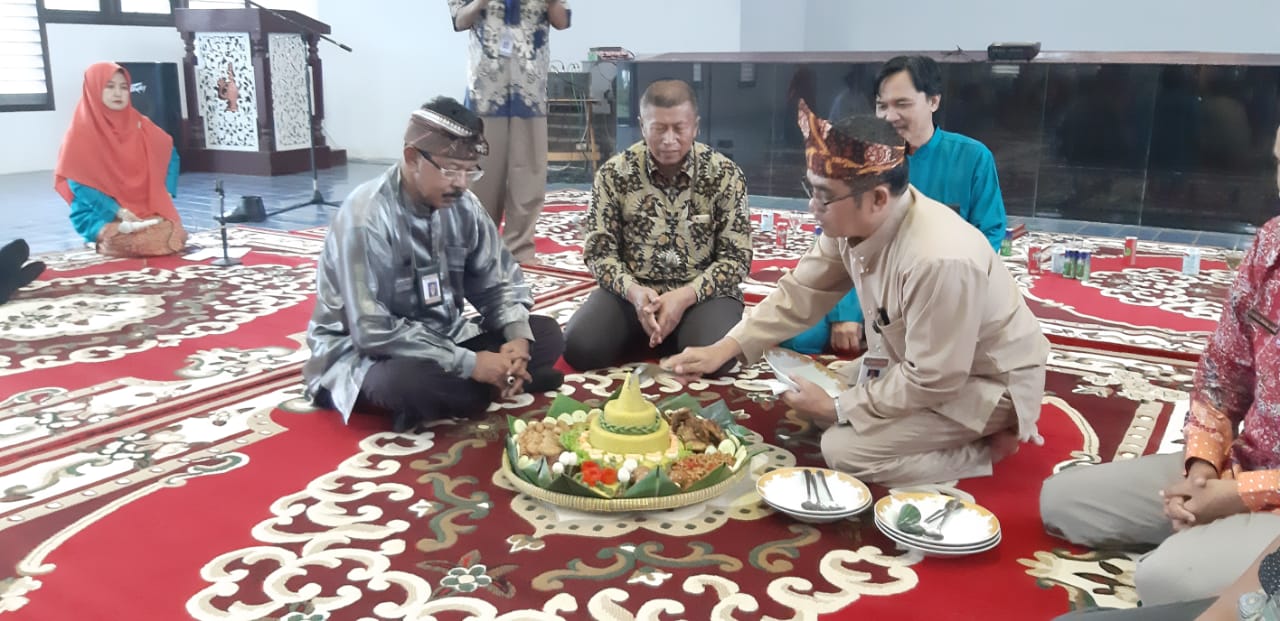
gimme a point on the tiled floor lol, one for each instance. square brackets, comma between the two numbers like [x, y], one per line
[36, 213]
[40, 215]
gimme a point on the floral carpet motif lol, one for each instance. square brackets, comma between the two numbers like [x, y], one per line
[258, 506]
[1150, 308]
[186, 477]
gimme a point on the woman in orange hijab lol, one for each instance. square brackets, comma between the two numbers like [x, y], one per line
[119, 171]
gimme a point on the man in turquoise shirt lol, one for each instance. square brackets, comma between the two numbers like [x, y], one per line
[950, 168]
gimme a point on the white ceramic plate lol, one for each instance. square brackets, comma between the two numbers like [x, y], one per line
[936, 551]
[925, 542]
[785, 490]
[814, 518]
[788, 365]
[968, 526]
[820, 518]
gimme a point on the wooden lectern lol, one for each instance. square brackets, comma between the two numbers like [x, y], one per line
[246, 82]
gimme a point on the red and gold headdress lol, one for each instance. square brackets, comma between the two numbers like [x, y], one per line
[831, 154]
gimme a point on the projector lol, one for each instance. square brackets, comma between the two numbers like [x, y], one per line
[610, 53]
[1012, 51]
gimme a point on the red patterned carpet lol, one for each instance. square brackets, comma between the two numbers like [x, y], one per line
[159, 463]
[1149, 309]
[259, 507]
[130, 339]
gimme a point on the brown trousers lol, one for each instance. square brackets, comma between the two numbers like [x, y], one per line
[514, 184]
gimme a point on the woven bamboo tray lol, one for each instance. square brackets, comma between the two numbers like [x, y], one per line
[621, 505]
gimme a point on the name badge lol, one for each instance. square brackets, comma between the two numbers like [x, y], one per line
[872, 368]
[429, 285]
[702, 219]
[431, 293]
[507, 42]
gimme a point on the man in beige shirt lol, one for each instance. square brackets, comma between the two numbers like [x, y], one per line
[956, 358]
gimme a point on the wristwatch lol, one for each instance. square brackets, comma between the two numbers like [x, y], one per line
[839, 413]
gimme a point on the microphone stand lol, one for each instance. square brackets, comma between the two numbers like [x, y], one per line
[316, 197]
[225, 260]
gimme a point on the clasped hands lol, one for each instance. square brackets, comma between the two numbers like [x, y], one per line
[506, 369]
[660, 314]
[1201, 497]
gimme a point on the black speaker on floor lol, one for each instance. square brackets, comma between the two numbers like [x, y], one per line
[156, 93]
[251, 209]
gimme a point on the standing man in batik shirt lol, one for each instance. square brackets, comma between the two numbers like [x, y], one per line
[507, 87]
[668, 238]
[401, 257]
[1211, 508]
[954, 375]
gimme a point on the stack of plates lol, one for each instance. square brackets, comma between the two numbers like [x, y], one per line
[969, 530]
[784, 489]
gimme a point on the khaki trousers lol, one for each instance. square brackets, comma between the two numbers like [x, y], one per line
[514, 184]
[1119, 505]
[921, 448]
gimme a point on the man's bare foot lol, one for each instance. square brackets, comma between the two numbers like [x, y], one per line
[531, 262]
[1002, 445]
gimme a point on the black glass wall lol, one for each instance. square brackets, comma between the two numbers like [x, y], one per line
[1183, 146]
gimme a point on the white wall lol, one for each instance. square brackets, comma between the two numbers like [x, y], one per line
[650, 27]
[408, 53]
[1076, 25]
[404, 54]
[773, 26]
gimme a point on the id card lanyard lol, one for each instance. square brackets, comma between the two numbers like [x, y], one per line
[507, 41]
[507, 38]
[874, 362]
[430, 285]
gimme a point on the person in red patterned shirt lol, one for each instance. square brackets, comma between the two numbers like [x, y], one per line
[1211, 509]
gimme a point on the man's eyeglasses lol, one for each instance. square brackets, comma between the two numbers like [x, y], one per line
[810, 192]
[471, 176]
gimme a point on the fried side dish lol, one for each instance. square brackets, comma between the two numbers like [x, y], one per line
[695, 433]
[542, 439]
[691, 469]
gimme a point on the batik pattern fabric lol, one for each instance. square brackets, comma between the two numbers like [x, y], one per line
[661, 233]
[830, 153]
[513, 85]
[1238, 381]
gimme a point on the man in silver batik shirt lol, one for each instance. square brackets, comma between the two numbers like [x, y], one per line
[403, 253]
